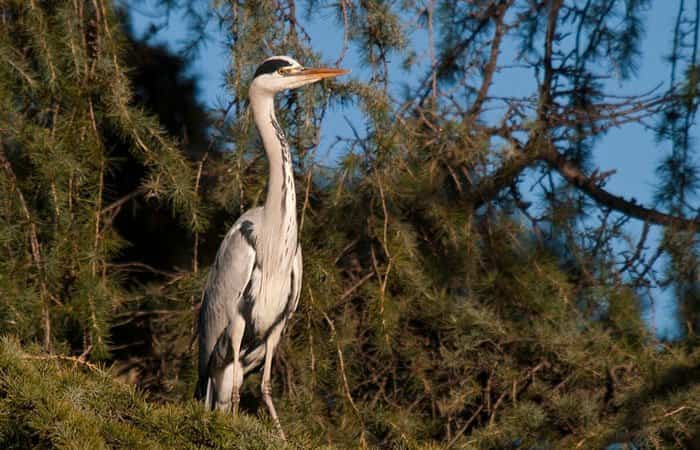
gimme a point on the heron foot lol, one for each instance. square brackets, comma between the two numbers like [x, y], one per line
[267, 397]
[280, 431]
[235, 400]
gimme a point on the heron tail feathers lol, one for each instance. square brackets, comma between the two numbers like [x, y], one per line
[202, 391]
[209, 396]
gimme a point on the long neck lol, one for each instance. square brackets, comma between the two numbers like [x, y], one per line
[279, 217]
[281, 181]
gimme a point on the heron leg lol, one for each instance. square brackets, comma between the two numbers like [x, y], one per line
[237, 329]
[221, 380]
[266, 386]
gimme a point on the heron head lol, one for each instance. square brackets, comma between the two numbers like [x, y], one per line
[278, 73]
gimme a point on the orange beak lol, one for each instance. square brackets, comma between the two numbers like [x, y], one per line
[319, 73]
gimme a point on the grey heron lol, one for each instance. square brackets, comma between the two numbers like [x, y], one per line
[255, 281]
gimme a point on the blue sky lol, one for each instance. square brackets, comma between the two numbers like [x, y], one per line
[631, 150]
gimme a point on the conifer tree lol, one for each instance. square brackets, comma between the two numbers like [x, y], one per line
[469, 282]
[440, 306]
[65, 93]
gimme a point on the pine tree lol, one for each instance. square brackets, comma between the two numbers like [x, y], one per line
[65, 94]
[443, 305]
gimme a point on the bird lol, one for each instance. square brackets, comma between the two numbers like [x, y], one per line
[254, 283]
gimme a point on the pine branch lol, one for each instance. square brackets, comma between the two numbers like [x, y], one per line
[491, 65]
[589, 185]
[35, 245]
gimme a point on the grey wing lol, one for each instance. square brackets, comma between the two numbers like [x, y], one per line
[253, 357]
[295, 288]
[228, 278]
[298, 270]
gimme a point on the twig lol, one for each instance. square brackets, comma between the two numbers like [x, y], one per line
[515, 391]
[491, 67]
[346, 31]
[306, 199]
[355, 286]
[674, 412]
[76, 360]
[312, 354]
[120, 202]
[344, 250]
[465, 426]
[200, 165]
[35, 245]
[341, 361]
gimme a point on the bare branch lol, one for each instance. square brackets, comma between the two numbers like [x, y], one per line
[491, 67]
[574, 175]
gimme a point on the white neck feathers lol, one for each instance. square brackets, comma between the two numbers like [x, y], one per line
[279, 229]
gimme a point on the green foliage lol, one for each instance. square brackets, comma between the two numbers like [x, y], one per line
[438, 309]
[47, 402]
[64, 94]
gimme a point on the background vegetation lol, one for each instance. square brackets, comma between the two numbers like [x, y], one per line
[469, 280]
